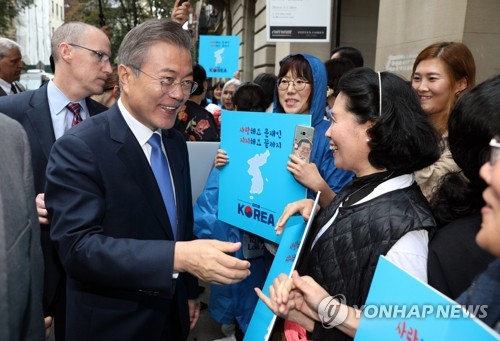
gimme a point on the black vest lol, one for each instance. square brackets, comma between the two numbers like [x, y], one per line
[344, 258]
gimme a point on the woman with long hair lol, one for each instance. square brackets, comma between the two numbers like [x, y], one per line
[441, 74]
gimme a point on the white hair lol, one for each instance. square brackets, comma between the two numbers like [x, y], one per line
[6, 45]
[232, 81]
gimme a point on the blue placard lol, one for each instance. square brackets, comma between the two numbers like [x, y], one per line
[219, 55]
[263, 318]
[255, 185]
[405, 308]
[285, 261]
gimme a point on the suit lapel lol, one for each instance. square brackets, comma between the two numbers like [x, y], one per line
[40, 119]
[132, 155]
[2, 92]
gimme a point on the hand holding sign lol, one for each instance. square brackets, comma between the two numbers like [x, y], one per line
[303, 207]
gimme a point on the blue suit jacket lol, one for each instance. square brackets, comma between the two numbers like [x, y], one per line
[113, 235]
[31, 109]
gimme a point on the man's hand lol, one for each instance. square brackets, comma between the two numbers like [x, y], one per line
[207, 260]
[194, 312]
[43, 216]
[48, 326]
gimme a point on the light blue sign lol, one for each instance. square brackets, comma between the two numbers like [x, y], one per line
[405, 308]
[263, 318]
[255, 185]
[285, 261]
[219, 55]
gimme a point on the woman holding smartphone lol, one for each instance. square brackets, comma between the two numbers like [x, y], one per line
[301, 89]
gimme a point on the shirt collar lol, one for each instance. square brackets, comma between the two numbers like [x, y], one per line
[5, 86]
[140, 131]
[58, 100]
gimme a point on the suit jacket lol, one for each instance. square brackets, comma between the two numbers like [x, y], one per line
[113, 235]
[18, 85]
[21, 266]
[31, 109]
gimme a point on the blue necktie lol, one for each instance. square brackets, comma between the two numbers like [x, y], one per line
[161, 171]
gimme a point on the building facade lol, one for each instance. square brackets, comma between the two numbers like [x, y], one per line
[389, 33]
[34, 28]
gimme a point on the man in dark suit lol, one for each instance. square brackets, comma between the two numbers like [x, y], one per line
[81, 54]
[11, 65]
[132, 265]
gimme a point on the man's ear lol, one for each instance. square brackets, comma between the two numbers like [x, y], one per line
[65, 52]
[124, 74]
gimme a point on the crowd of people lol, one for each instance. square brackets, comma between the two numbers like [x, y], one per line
[99, 238]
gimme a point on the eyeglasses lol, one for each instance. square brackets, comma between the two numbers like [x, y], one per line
[168, 84]
[103, 57]
[299, 84]
[495, 149]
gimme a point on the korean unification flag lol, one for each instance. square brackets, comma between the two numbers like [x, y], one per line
[255, 186]
[219, 55]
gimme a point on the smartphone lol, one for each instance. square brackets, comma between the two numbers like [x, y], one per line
[181, 2]
[303, 142]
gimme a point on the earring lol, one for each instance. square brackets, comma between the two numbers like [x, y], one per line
[458, 93]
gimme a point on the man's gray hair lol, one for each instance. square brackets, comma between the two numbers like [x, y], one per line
[6, 45]
[71, 32]
[134, 47]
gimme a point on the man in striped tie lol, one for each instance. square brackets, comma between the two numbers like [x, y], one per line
[82, 58]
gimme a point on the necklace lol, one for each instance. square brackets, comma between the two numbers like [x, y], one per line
[374, 183]
[346, 200]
